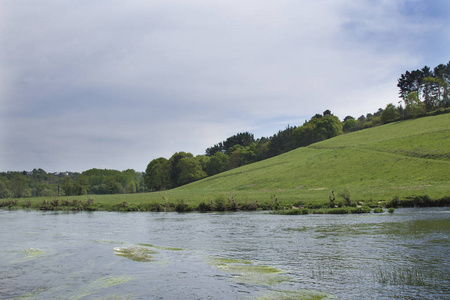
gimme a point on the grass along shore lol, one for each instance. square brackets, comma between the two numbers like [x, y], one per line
[405, 163]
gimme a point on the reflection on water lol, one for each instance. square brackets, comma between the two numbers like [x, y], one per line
[225, 256]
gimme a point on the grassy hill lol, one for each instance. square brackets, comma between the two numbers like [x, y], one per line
[401, 159]
[398, 159]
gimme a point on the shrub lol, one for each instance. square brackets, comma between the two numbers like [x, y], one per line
[394, 202]
[232, 205]
[203, 207]
[181, 207]
[391, 210]
[345, 194]
[378, 210]
[360, 210]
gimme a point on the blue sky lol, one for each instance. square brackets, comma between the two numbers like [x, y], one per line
[115, 84]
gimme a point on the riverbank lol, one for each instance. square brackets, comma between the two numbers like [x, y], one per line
[222, 204]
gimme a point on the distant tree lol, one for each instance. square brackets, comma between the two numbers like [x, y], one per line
[389, 114]
[317, 129]
[431, 86]
[4, 191]
[348, 118]
[203, 160]
[236, 157]
[175, 168]
[217, 164]
[67, 185]
[413, 106]
[327, 113]
[112, 186]
[19, 187]
[350, 125]
[214, 149]
[157, 174]
[190, 170]
[244, 139]
[281, 142]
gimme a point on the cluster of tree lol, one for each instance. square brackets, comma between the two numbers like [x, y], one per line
[425, 89]
[237, 150]
[94, 181]
[422, 91]
[97, 181]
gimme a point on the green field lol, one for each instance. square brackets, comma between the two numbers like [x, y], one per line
[402, 159]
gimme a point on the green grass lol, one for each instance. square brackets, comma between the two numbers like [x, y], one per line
[402, 159]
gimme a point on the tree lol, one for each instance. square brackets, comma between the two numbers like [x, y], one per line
[157, 174]
[175, 168]
[413, 106]
[214, 149]
[317, 129]
[244, 139]
[112, 186]
[389, 114]
[203, 160]
[431, 86]
[67, 185]
[348, 118]
[236, 157]
[190, 170]
[4, 191]
[217, 164]
[350, 125]
[18, 186]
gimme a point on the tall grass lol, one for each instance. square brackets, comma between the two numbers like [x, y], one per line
[403, 276]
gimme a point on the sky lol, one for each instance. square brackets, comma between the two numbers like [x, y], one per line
[115, 84]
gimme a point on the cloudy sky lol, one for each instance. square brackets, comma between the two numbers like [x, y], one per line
[114, 84]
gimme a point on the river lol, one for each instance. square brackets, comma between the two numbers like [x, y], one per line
[243, 255]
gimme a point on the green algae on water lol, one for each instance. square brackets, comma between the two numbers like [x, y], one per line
[84, 292]
[160, 248]
[33, 253]
[246, 271]
[139, 254]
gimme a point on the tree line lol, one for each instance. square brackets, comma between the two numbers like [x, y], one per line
[422, 92]
[39, 183]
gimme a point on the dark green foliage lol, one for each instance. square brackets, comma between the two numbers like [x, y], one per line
[391, 210]
[360, 210]
[316, 130]
[389, 114]
[281, 142]
[394, 202]
[157, 175]
[203, 207]
[431, 86]
[217, 164]
[175, 170]
[8, 203]
[219, 203]
[378, 210]
[243, 139]
[190, 170]
[182, 207]
[345, 195]
[350, 125]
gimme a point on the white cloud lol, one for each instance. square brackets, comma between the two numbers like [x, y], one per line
[127, 82]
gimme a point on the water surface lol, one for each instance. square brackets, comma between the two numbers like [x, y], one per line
[107, 255]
